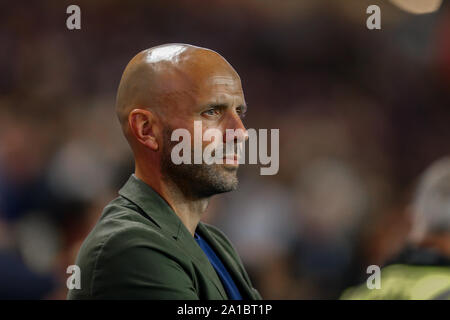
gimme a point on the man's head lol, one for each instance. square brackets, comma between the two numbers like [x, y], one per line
[169, 87]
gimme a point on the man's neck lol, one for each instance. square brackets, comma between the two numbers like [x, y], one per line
[187, 209]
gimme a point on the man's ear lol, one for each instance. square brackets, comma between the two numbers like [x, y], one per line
[144, 128]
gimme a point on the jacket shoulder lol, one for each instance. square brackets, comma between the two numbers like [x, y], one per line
[120, 220]
[122, 233]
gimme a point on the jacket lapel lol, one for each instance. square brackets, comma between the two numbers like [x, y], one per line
[232, 266]
[188, 244]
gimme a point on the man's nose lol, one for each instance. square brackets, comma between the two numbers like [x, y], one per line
[235, 124]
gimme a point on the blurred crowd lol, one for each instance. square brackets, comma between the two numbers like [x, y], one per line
[361, 115]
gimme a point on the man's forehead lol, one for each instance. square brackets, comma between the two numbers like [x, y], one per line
[221, 86]
[221, 80]
[212, 88]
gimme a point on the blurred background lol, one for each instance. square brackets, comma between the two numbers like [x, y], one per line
[361, 114]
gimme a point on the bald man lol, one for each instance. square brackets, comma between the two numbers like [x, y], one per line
[149, 242]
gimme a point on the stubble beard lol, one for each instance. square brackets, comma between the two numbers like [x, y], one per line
[196, 180]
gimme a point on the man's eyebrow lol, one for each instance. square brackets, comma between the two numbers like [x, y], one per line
[223, 105]
[216, 105]
[212, 105]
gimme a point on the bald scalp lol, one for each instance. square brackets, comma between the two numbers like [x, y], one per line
[158, 76]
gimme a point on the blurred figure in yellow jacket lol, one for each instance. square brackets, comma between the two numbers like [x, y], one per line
[422, 270]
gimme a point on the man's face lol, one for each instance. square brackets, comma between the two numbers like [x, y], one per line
[217, 100]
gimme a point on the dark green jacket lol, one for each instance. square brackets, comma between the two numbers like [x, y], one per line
[140, 249]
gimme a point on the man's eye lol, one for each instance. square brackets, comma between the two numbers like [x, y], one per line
[211, 112]
[241, 113]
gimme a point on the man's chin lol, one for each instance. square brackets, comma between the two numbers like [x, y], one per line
[226, 177]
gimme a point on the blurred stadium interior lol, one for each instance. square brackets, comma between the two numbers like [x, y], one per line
[361, 115]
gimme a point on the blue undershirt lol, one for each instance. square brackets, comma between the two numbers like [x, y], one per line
[228, 283]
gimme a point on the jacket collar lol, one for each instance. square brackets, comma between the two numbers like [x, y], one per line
[416, 255]
[159, 211]
[154, 206]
